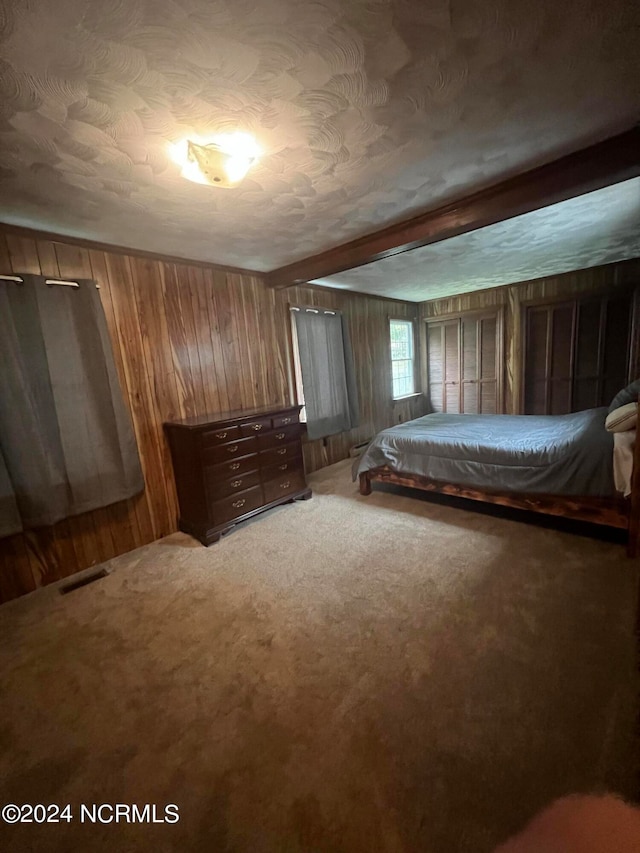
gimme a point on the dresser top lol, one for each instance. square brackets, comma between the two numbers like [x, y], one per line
[225, 417]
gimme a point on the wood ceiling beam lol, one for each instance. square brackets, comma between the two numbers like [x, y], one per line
[609, 162]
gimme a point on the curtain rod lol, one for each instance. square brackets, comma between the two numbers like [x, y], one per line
[312, 310]
[20, 280]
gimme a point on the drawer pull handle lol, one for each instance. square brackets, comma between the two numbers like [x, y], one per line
[221, 435]
[234, 466]
[280, 434]
[283, 467]
[232, 448]
[236, 483]
[282, 451]
[285, 485]
[238, 504]
[256, 426]
[286, 420]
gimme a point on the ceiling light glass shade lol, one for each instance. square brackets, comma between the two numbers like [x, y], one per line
[220, 162]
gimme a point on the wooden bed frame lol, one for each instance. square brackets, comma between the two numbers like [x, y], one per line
[623, 513]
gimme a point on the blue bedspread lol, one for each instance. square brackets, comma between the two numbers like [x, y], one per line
[552, 454]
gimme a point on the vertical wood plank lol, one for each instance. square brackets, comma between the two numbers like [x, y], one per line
[199, 298]
[160, 386]
[228, 341]
[130, 341]
[183, 351]
[217, 328]
[184, 337]
[131, 522]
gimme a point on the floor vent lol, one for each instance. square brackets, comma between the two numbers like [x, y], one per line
[87, 579]
[359, 449]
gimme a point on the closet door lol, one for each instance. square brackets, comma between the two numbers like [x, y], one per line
[443, 359]
[576, 353]
[550, 334]
[463, 357]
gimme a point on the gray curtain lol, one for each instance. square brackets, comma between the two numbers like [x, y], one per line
[66, 440]
[328, 375]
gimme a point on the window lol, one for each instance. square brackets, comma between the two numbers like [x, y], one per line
[324, 371]
[402, 358]
[464, 363]
[67, 444]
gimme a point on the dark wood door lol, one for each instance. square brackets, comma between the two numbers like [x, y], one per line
[576, 353]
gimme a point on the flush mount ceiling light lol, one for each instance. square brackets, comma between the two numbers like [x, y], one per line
[223, 161]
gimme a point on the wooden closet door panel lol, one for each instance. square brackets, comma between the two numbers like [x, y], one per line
[488, 361]
[617, 327]
[451, 352]
[586, 381]
[444, 365]
[471, 402]
[452, 367]
[435, 364]
[488, 368]
[470, 349]
[536, 368]
[452, 398]
[562, 339]
[470, 331]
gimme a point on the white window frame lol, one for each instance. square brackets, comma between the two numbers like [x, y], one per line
[411, 359]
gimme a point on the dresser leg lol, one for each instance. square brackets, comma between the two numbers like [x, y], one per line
[212, 538]
[304, 496]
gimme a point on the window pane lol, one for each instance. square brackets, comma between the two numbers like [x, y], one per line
[401, 336]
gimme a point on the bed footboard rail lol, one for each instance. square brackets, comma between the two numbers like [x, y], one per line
[612, 512]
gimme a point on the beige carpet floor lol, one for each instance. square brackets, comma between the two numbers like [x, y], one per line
[343, 674]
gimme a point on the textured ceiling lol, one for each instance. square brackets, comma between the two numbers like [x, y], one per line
[597, 228]
[367, 111]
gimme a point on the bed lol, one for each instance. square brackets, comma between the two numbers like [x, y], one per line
[556, 464]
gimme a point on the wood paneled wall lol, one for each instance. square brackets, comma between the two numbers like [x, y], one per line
[511, 297]
[188, 340]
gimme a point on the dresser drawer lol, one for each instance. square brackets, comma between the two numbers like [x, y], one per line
[217, 488]
[286, 484]
[225, 470]
[236, 505]
[216, 436]
[283, 469]
[223, 452]
[285, 420]
[280, 454]
[235, 466]
[278, 436]
[256, 427]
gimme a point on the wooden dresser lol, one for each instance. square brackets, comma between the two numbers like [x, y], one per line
[235, 465]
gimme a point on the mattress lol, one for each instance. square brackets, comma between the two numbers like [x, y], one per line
[546, 454]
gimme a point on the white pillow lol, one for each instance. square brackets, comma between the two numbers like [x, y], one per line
[623, 418]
